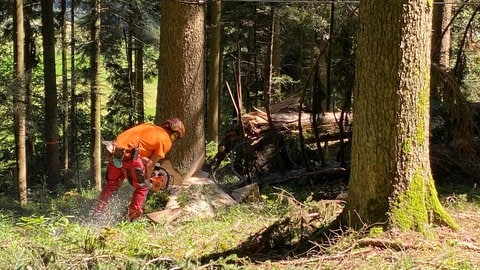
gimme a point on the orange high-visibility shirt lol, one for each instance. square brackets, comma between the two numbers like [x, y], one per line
[148, 138]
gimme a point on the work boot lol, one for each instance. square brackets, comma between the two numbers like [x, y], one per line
[134, 214]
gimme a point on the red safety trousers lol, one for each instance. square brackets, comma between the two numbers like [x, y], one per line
[131, 170]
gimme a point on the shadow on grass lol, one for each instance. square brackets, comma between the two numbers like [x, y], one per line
[281, 240]
[277, 242]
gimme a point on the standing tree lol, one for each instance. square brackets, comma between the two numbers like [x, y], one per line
[138, 64]
[19, 101]
[181, 78]
[391, 181]
[214, 71]
[31, 62]
[95, 108]
[65, 94]
[73, 99]
[441, 43]
[51, 126]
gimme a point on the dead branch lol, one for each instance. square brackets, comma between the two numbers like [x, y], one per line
[330, 173]
[385, 243]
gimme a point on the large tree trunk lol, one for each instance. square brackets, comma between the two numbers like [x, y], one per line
[214, 72]
[95, 109]
[391, 181]
[19, 101]
[181, 79]
[51, 127]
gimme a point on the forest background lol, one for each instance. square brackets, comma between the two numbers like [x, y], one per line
[106, 81]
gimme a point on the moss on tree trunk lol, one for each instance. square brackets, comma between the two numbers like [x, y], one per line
[419, 206]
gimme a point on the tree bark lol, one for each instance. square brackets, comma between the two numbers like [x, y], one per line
[95, 108]
[391, 181]
[181, 79]
[19, 101]
[51, 126]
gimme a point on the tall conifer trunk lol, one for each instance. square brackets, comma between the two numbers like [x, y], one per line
[214, 72]
[138, 73]
[65, 94]
[391, 181]
[95, 109]
[181, 79]
[52, 159]
[19, 101]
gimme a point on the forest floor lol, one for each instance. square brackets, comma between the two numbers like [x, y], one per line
[267, 234]
[438, 248]
[441, 248]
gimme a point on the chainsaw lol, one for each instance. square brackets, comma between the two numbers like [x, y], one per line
[159, 180]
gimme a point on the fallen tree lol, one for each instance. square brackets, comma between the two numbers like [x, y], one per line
[255, 148]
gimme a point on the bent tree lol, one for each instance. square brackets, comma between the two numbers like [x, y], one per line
[391, 181]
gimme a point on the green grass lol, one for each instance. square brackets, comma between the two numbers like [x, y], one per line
[50, 240]
[57, 234]
[150, 97]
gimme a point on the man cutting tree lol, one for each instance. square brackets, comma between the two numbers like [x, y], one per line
[134, 155]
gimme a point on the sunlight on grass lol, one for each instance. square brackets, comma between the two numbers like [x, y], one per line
[150, 97]
[51, 239]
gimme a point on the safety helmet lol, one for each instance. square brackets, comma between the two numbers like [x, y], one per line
[175, 125]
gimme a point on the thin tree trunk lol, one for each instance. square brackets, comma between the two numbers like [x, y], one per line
[95, 128]
[30, 62]
[51, 127]
[214, 70]
[19, 101]
[131, 81]
[139, 86]
[328, 99]
[73, 95]
[269, 67]
[441, 42]
[65, 93]
[257, 83]
[276, 60]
